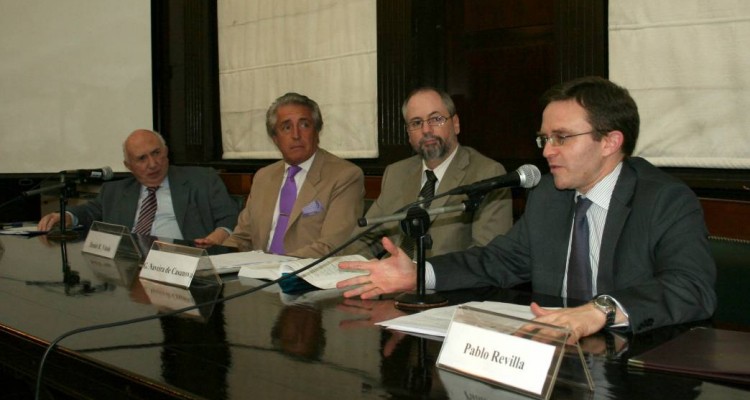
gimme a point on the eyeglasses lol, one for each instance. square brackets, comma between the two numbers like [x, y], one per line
[416, 124]
[557, 139]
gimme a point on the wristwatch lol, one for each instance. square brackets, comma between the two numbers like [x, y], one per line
[606, 305]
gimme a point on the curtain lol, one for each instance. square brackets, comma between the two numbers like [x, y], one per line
[687, 64]
[324, 49]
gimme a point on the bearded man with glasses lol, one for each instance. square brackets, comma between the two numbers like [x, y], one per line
[440, 164]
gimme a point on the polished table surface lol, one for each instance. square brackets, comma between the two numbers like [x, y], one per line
[265, 345]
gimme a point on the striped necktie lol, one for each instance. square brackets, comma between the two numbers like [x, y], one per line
[148, 211]
[428, 190]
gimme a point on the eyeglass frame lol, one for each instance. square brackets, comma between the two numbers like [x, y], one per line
[422, 121]
[557, 140]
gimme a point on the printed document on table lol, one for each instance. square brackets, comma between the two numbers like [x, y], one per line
[324, 275]
[232, 262]
[435, 322]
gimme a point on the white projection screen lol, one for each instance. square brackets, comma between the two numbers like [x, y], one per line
[76, 79]
[687, 64]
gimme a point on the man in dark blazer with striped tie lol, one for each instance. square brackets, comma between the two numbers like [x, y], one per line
[192, 202]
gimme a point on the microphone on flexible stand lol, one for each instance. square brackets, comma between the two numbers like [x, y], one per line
[526, 176]
[417, 222]
[67, 189]
[86, 175]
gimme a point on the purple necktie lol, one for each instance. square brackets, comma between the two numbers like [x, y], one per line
[579, 265]
[147, 214]
[286, 203]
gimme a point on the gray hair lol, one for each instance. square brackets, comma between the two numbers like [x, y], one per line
[298, 99]
[444, 96]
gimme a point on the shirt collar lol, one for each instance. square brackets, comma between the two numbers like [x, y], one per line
[601, 193]
[164, 184]
[441, 169]
[305, 165]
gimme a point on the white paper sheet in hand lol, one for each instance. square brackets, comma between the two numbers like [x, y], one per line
[324, 275]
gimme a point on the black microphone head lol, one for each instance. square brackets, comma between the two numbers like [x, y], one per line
[529, 175]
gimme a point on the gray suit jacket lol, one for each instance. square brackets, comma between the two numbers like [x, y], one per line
[200, 200]
[452, 231]
[654, 257]
[324, 214]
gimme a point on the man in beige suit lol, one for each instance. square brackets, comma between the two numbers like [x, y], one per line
[329, 190]
[433, 127]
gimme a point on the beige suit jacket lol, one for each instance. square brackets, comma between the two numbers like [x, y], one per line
[324, 214]
[450, 232]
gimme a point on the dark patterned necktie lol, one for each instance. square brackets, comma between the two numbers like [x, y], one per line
[147, 214]
[428, 190]
[579, 264]
[286, 203]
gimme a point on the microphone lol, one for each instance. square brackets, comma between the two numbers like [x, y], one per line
[102, 174]
[526, 176]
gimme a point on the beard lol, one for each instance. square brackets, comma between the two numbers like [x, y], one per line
[434, 151]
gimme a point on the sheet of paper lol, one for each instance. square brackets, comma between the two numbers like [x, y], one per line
[255, 263]
[435, 322]
[20, 229]
[326, 274]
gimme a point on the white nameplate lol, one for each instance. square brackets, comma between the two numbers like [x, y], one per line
[497, 357]
[174, 268]
[101, 243]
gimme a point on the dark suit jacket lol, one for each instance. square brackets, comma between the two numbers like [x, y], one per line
[654, 258]
[200, 200]
[452, 231]
[323, 216]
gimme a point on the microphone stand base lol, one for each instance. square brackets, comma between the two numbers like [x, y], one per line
[411, 301]
[58, 235]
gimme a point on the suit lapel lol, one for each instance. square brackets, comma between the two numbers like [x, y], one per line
[309, 190]
[266, 204]
[559, 223]
[129, 201]
[179, 196]
[617, 215]
[411, 185]
[453, 176]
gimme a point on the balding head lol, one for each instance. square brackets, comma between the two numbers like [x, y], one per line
[145, 155]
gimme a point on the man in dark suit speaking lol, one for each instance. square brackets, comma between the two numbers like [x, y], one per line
[637, 251]
[189, 203]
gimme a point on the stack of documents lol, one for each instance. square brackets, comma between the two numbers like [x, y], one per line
[260, 265]
[20, 229]
[435, 322]
[230, 263]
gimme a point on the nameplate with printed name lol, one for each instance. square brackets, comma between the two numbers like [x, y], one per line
[168, 267]
[517, 354]
[101, 243]
[110, 241]
[178, 265]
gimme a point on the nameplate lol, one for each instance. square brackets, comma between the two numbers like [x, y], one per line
[170, 267]
[101, 243]
[497, 357]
